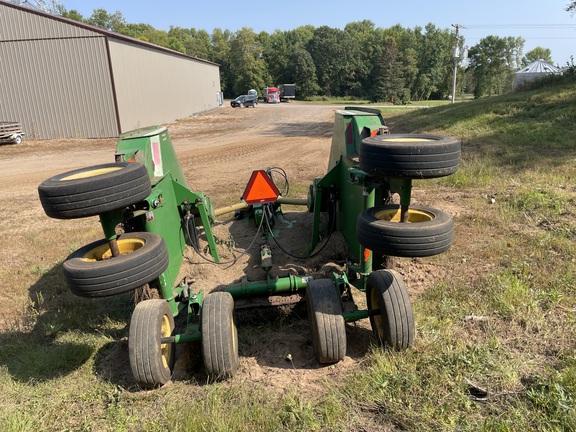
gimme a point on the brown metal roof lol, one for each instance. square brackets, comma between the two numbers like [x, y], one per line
[106, 33]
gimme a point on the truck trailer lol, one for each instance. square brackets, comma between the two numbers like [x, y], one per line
[287, 92]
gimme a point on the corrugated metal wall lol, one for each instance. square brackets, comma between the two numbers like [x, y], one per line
[154, 87]
[54, 78]
[63, 79]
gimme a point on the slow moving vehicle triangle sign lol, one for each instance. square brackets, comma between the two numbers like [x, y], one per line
[260, 189]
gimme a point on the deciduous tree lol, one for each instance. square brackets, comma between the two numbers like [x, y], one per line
[247, 67]
[537, 53]
[493, 62]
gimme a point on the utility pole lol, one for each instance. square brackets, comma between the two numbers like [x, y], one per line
[456, 58]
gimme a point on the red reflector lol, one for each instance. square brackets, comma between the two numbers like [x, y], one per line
[260, 189]
[367, 254]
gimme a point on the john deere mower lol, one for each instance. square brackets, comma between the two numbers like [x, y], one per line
[149, 217]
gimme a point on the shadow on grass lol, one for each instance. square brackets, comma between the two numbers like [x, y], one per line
[65, 333]
[61, 332]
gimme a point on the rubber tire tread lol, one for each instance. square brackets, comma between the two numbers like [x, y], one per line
[116, 275]
[382, 155]
[410, 240]
[326, 321]
[144, 343]
[219, 335]
[94, 195]
[396, 328]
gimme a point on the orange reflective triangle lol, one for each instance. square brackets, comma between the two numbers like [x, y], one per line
[260, 189]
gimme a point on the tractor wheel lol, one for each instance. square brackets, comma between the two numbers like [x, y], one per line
[219, 335]
[394, 326]
[428, 231]
[409, 156]
[326, 321]
[94, 190]
[92, 271]
[151, 360]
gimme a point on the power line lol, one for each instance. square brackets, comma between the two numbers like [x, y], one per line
[475, 26]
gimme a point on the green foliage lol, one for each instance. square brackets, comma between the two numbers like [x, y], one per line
[388, 82]
[329, 48]
[493, 62]
[361, 61]
[434, 63]
[247, 67]
[537, 53]
[113, 22]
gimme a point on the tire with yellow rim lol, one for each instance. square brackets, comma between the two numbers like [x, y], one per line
[151, 360]
[394, 325]
[409, 156]
[94, 190]
[427, 232]
[219, 335]
[92, 271]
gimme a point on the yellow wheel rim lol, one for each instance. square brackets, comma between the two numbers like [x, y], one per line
[125, 246]
[408, 140]
[414, 216]
[166, 348]
[90, 173]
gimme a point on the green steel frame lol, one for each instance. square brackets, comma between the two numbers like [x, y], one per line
[344, 192]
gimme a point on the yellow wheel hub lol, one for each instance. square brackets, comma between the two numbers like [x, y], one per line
[103, 252]
[414, 216]
[90, 173]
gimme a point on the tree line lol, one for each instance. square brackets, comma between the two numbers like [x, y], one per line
[360, 61]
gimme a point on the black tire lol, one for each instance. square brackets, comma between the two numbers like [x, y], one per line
[409, 156]
[18, 139]
[151, 361]
[326, 321]
[394, 326]
[94, 190]
[91, 271]
[219, 335]
[428, 232]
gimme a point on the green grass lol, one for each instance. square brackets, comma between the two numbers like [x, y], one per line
[499, 316]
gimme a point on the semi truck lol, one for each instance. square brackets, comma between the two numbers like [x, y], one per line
[271, 95]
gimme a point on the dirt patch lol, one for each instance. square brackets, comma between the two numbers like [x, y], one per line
[217, 151]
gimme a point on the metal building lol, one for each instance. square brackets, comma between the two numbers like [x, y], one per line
[532, 72]
[64, 79]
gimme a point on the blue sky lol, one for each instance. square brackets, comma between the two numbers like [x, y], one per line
[542, 23]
